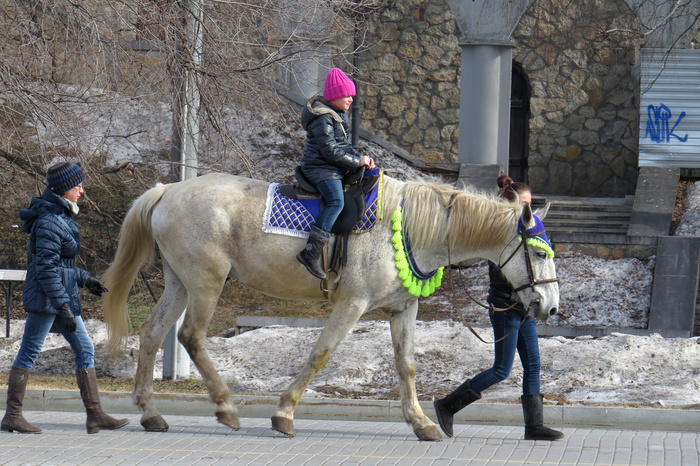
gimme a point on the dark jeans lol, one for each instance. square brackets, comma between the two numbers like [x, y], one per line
[36, 329]
[524, 340]
[332, 192]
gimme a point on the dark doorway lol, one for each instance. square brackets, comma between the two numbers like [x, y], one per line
[519, 125]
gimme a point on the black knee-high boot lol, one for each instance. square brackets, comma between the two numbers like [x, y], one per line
[447, 407]
[534, 419]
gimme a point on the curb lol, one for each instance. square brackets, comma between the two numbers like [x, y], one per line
[176, 404]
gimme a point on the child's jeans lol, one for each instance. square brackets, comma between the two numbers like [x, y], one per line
[332, 192]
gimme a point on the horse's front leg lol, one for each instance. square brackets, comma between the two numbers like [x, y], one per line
[341, 320]
[403, 322]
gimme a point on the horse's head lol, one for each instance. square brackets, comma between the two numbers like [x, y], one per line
[529, 266]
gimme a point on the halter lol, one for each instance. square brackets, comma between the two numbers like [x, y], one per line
[532, 239]
[524, 238]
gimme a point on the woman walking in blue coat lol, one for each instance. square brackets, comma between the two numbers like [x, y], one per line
[51, 297]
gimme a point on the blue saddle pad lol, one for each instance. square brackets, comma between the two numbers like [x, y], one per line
[296, 217]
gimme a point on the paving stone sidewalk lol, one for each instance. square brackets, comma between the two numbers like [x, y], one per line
[200, 440]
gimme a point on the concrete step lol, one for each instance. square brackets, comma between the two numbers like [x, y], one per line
[584, 201]
[574, 224]
[587, 229]
[587, 220]
[587, 214]
[587, 238]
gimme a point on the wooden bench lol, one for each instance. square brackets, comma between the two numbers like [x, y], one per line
[11, 277]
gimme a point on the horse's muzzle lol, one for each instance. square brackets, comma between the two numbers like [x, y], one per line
[534, 310]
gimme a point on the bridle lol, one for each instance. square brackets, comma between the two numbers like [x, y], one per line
[523, 238]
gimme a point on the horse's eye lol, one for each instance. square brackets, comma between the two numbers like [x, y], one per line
[541, 254]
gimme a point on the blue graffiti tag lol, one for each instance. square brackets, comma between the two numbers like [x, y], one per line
[657, 124]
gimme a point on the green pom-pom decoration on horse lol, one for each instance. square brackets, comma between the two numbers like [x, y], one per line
[415, 286]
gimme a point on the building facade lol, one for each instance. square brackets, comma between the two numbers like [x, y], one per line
[575, 94]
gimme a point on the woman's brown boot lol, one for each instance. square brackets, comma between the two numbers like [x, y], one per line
[13, 420]
[96, 418]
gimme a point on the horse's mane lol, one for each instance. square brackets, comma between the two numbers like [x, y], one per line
[435, 212]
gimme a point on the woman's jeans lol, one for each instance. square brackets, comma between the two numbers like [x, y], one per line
[36, 329]
[332, 192]
[524, 340]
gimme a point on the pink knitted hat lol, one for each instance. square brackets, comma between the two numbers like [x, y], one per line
[337, 85]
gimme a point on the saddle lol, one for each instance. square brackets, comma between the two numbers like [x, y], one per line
[355, 186]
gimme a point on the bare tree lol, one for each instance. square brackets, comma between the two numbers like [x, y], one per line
[66, 62]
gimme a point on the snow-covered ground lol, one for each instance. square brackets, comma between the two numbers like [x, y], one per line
[616, 370]
[619, 369]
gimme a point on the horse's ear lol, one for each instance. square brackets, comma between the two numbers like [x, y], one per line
[542, 212]
[528, 217]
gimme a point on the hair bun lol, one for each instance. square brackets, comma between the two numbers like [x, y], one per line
[504, 181]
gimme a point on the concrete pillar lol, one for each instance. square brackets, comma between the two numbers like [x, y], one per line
[301, 24]
[484, 109]
[306, 74]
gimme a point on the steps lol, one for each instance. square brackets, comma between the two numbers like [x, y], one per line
[587, 219]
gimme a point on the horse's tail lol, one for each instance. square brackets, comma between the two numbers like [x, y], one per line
[136, 248]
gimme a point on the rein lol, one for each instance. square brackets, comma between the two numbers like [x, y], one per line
[525, 238]
[491, 308]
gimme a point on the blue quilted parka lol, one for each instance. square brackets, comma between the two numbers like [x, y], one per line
[54, 242]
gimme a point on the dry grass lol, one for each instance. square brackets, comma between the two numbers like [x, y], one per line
[124, 384]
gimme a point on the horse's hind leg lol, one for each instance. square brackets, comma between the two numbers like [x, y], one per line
[403, 323]
[193, 336]
[163, 317]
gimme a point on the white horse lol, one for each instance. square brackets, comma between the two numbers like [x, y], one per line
[210, 228]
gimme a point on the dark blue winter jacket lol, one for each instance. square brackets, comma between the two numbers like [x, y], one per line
[328, 153]
[52, 277]
[501, 291]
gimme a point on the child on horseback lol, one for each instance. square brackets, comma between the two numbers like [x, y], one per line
[328, 155]
[513, 330]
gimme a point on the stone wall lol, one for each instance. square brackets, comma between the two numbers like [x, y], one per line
[412, 95]
[579, 60]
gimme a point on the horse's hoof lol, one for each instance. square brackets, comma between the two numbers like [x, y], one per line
[284, 425]
[230, 419]
[428, 434]
[155, 424]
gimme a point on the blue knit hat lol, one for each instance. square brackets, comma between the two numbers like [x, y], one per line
[64, 176]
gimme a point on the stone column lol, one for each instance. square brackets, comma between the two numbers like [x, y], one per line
[484, 111]
[487, 59]
[305, 71]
